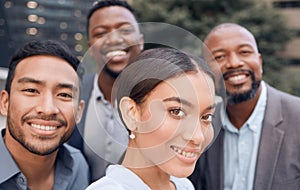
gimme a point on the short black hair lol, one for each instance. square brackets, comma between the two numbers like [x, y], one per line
[42, 47]
[107, 3]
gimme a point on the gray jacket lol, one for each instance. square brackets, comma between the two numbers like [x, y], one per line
[278, 160]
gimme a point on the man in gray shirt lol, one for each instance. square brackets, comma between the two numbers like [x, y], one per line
[42, 106]
[114, 39]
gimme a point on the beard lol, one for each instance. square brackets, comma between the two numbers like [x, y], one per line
[38, 149]
[236, 98]
[110, 72]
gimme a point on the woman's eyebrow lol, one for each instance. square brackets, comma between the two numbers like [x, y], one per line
[179, 100]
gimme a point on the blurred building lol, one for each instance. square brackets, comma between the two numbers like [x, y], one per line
[291, 10]
[24, 20]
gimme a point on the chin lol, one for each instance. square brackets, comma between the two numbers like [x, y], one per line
[182, 172]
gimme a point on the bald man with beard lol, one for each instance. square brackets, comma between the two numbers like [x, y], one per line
[258, 146]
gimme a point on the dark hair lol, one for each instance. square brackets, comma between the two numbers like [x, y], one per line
[107, 3]
[152, 67]
[43, 47]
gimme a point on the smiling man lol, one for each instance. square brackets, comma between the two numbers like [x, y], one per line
[41, 111]
[114, 40]
[258, 147]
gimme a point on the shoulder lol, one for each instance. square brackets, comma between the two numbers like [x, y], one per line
[285, 98]
[288, 97]
[87, 82]
[72, 168]
[75, 154]
[182, 183]
[79, 164]
[105, 183]
[88, 78]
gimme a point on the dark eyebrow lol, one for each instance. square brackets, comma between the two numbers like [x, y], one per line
[29, 80]
[117, 26]
[211, 107]
[60, 85]
[246, 45]
[218, 50]
[69, 86]
[240, 46]
[179, 100]
[182, 101]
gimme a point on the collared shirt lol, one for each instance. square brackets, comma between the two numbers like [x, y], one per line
[105, 137]
[241, 147]
[71, 170]
[120, 178]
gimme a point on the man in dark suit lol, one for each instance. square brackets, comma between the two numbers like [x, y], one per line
[114, 39]
[258, 146]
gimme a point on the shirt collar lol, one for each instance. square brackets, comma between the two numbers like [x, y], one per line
[97, 92]
[63, 167]
[7, 162]
[254, 122]
[256, 118]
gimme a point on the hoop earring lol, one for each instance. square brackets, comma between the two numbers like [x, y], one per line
[132, 135]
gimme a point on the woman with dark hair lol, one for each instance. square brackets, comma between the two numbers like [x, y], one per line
[166, 99]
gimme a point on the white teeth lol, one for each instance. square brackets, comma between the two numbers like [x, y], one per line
[116, 53]
[42, 127]
[184, 153]
[237, 77]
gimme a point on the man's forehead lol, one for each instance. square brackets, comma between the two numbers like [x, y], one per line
[231, 30]
[41, 65]
[115, 10]
[231, 33]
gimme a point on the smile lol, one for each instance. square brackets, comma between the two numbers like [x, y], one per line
[237, 77]
[115, 53]
[184, 153]
[45, 128]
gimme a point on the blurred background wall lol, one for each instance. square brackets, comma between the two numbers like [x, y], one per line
[275, 23]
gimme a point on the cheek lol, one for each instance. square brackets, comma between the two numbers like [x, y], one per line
[68, 111]
[95, 47]
[156, 125]
[19, 105]
[208, 137]
[160, 135]
[152, 117]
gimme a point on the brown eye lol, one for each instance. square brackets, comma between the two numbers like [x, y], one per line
[177, 112]
[207, 117]
[245, 52]
[30, 90]
[219, 57]
[65, 96]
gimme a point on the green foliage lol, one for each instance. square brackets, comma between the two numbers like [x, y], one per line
[200, 16]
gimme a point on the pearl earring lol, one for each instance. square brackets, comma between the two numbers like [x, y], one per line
[132, 135]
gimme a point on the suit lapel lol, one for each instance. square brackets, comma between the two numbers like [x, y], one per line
[270, 142]
[215, 161]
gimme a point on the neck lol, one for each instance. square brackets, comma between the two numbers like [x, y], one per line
[239, 113]
[154, 178]
[38, 170]
[105, 83]
[148, 172]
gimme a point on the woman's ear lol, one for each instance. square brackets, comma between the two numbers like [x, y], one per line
[129, 112]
